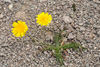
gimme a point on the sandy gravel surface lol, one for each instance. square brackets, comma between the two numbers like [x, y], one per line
[83, 28]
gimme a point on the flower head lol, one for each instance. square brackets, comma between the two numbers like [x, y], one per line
[19, 29]
[44, 19]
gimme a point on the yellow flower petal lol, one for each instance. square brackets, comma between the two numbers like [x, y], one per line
[44, 19]
[19, 22]
[19, 29]
[15, 24]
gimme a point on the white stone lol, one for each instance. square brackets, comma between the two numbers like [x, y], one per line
[42, 0]
[9, 1]
[82, 28]
[1, 15]
[81, 23]
[2, 54]
[10, 6]
[65, 63]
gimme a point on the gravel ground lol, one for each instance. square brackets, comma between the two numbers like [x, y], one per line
[83, 28]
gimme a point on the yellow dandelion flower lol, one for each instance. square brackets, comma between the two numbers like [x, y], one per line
[44, 19]
[19, 29]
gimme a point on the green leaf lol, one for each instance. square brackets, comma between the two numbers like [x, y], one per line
[58, 56]
[57, 38]
[72, 45]
[48, 47]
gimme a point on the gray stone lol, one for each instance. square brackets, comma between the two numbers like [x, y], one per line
[5, 44]
[70, 28]
[62, 27]
[64, 33]
[79, 36]
[67, 19]
[97, 1]
[78, 0]
[71, 36]
[21, 14]
[49, 35]
[98, 32]
[96, 26]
